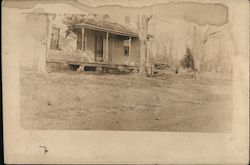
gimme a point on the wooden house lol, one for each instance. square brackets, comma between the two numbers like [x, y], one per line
[83, 40]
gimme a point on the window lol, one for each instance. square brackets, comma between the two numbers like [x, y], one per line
[126, 44]
[55, 35]
[126, 51]
[81, 38]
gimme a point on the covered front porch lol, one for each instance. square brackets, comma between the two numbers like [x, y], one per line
[110, 46]
[111, 49]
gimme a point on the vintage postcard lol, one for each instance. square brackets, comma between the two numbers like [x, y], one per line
[126, 81]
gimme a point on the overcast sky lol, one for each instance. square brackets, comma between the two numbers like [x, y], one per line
[200, 13]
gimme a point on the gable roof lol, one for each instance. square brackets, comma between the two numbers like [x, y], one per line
[107, 26]
[99, 25]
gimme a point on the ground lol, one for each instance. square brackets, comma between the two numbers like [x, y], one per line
[86, 101]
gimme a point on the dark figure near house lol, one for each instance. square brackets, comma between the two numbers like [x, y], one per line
[176, 70]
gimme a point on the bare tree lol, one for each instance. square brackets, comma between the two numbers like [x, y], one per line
[142, 25]
[200, 37]
[169, 50]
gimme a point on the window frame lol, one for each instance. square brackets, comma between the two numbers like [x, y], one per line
[82, 39]
[55, 40]
[124, 51]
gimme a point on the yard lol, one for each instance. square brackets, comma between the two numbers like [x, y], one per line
[83, 101]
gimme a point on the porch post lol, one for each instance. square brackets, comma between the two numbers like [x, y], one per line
[129, 49]
[83, 38]
[107, 48]
[82, 48]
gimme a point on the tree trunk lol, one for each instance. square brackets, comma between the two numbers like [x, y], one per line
[142, 32]
[197, 73]
[143, 58]
[200, 37]
[197, 61]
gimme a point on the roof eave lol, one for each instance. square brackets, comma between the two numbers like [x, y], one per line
[98, 28]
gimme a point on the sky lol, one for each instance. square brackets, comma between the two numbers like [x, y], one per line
[200, 13]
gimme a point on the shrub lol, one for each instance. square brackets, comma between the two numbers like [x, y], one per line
[188, 60]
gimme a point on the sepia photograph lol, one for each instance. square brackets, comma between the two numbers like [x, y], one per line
[127, 71]
[154, 66]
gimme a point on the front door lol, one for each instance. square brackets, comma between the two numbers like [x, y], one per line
[99, 47]
[111, 48]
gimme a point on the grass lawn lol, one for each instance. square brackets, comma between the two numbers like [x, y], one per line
[81, 101]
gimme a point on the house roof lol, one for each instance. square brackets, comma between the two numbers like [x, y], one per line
[103, 25]
[107, 26]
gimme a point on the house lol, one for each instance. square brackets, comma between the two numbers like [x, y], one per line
[83, 40]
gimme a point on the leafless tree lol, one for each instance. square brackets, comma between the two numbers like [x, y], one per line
[201, 34]
[142, 26]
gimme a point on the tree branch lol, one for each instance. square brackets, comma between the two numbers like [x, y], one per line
[138, 22]
[211, 35]
[148, 19]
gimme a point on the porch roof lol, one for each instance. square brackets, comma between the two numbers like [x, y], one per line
[107, 26]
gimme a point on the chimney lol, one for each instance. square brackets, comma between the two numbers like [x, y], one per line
[105, 17]
[127, 19]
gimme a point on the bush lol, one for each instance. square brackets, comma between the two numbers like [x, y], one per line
[188, 60]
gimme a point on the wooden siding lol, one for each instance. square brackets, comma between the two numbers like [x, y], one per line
[58, 55]
[135, 51]
[120, 58]
[71, 54]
